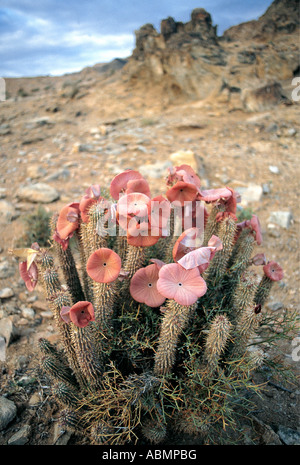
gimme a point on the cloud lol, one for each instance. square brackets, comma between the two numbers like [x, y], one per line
[55, 37]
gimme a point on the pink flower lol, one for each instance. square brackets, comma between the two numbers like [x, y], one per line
[30, 276]
[214, 195]
[104, 265]
[143, 286]
[202, 256]
[119, 183]
[68, 220]
[259, 259]
[63, 242]
[187, 241]
[184, 286]
[138, 185]
[182, 192]
[183, 173]
[80, 314]
[273, 271]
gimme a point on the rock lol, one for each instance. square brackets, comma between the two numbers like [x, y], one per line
[249, 194]
[61, 436]
[38, 193]
[156, 170]
[39, 122]
[7, 212]
[2, 349]
[6, 270]
[60, 174]
[6, 293]
[289, 436]
[34, 400]
[281, 218]
[21, 437]
[266, 435]
[274, 169]
[2, 192]
[35, 171]
[8, 412]
[28, 313]
[184, 157]
[7, 330]
[275, 306]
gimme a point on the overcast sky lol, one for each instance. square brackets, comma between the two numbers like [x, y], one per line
[53, 37]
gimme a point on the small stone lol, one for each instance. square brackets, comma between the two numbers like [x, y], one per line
[7, 212]
[28, 313]
[35, 171]
[266, 188]
[21, 437]
[281, 218]
[289, 436]
[34, 400]
[6, 293]
[155, 170]
[60, 174]
[8, 411]
[7, 330]
[61, 436]
[249, 194]
[274, 169]
[2, 349]
[275, 306]
[38, 193]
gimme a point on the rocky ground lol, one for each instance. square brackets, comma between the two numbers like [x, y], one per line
[59, 135]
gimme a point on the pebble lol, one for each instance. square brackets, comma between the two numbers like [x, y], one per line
[28, 313]
[6, 293]
[274, 169]
[38, 193]
[155, 170]
[249, 194]
[7, 212]
[21, 437]
[2, 349]
[7, 330]
[35, 171]
[289, 436]
[281, 218]
[8, 411]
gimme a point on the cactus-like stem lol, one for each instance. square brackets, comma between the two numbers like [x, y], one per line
[175, 319]
[212, 226]
[245, 291]
[69, 418]
[101, 433]
[154, 431]
[218, 265]
[57, 298]
[135, 259]
[66, 394]
[86, 349]
[263, 290]
[53, 366]
[216, 342]
[247, 323]
[105, 295]
[121, 244]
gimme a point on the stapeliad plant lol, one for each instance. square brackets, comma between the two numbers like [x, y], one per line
[160, 309]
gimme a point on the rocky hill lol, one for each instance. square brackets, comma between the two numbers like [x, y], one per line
[191, 60]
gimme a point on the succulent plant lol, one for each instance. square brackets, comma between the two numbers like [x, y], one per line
[157, 302]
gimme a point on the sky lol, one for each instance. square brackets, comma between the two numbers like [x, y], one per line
[54, 37]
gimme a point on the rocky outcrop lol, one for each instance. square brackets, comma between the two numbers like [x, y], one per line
[282, 17]
[189, 60]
